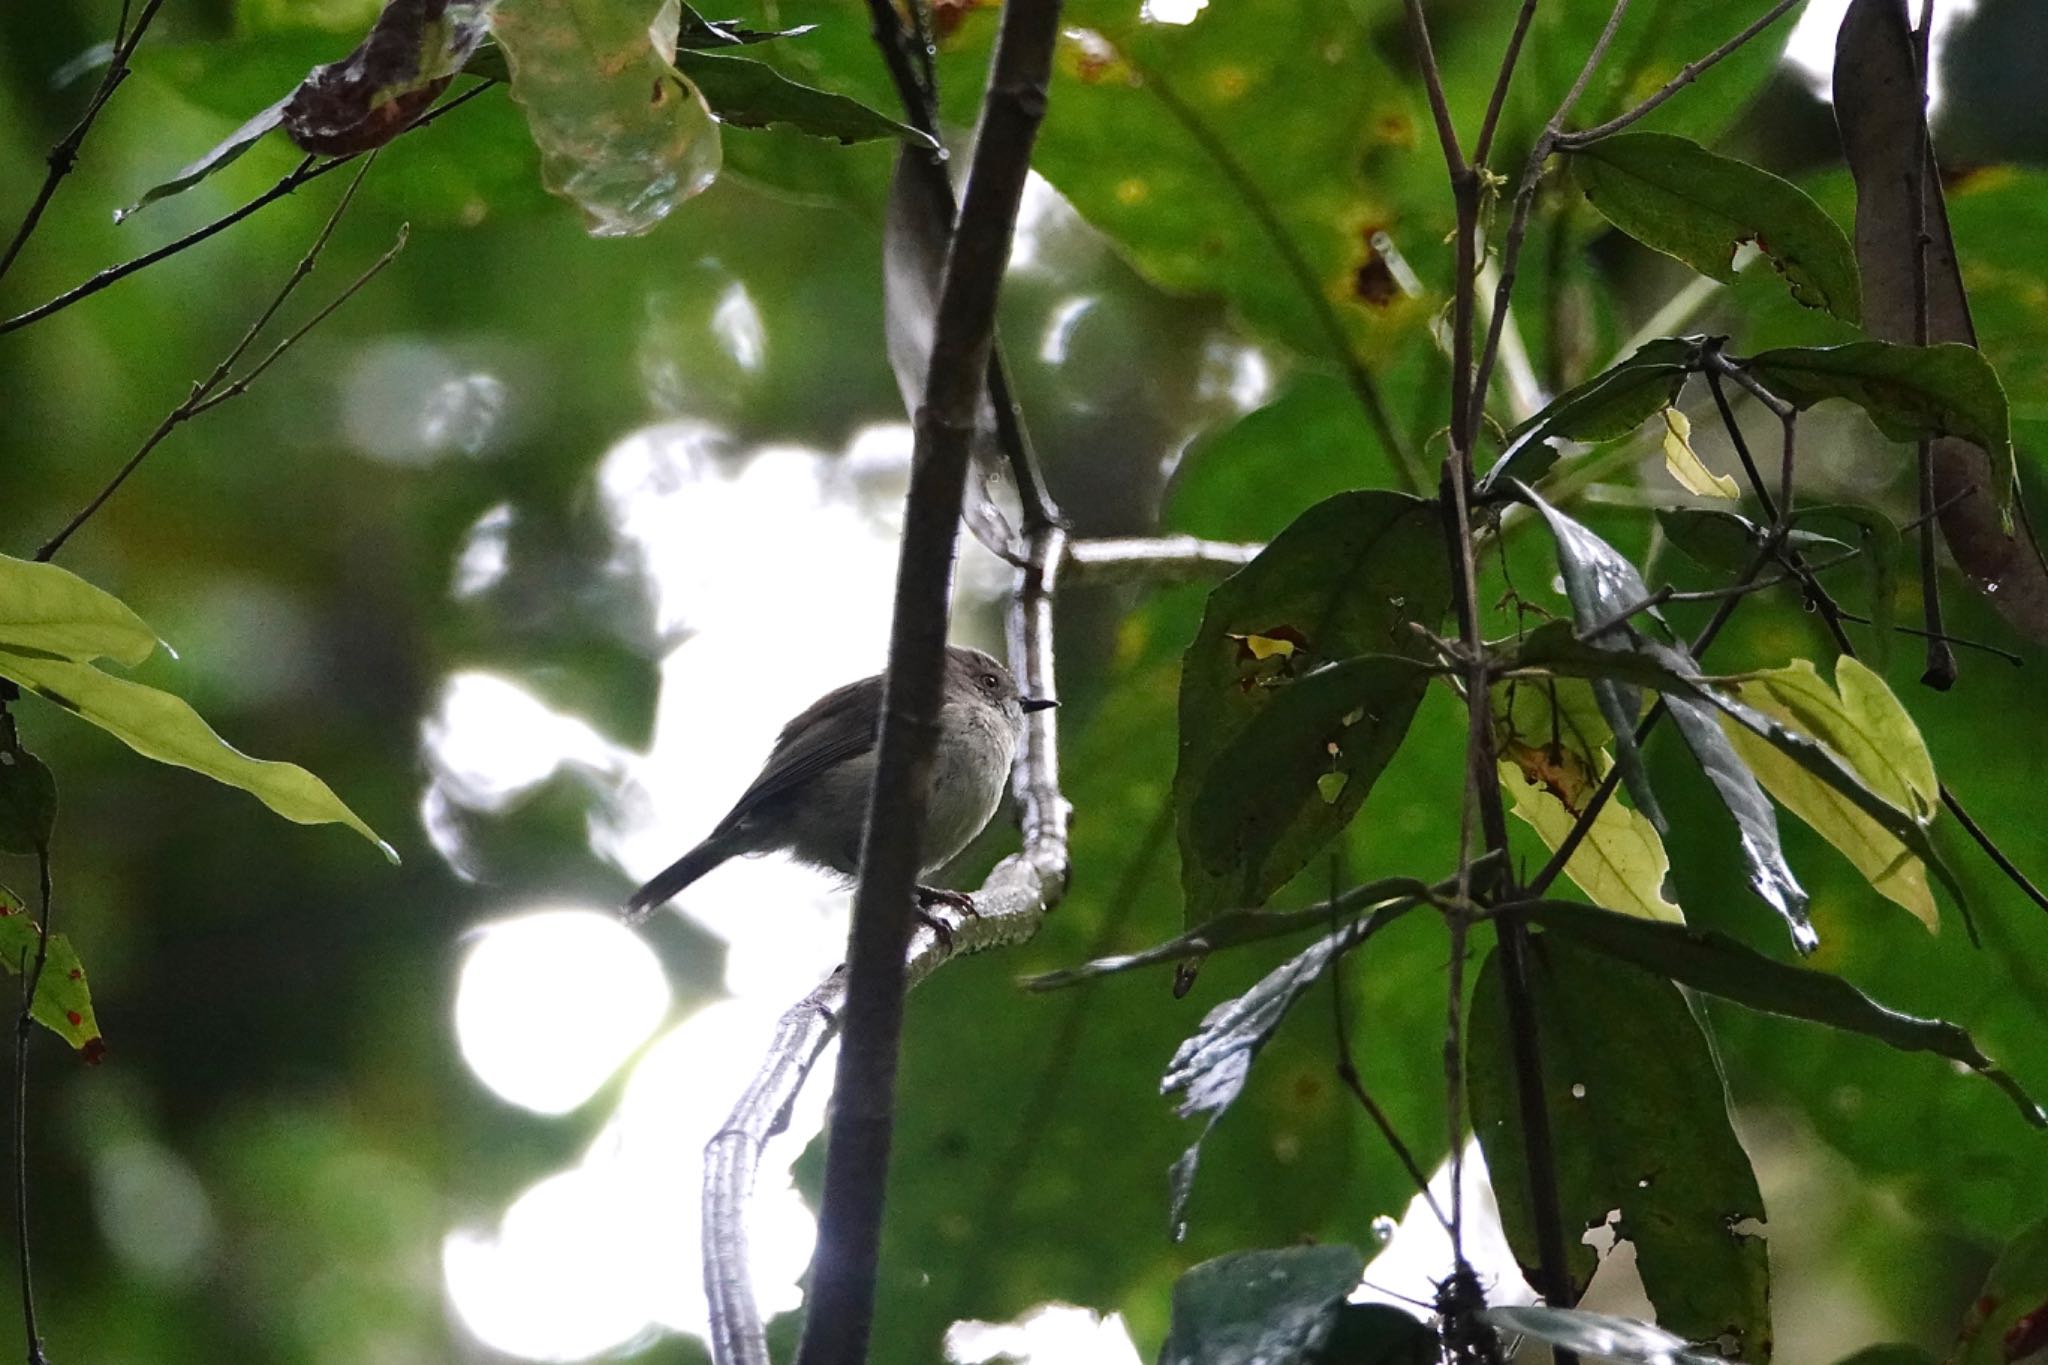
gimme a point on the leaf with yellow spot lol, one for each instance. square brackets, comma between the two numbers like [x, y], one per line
[1685, 464]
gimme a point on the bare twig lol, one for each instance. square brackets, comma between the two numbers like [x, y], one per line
[64, 155]
[1484, 146]
[1940, 671]
[307, 170]
[1687, 74]
[216, 389]
[856, 1166]
[31, 981]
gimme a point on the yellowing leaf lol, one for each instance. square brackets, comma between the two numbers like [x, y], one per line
[63, 1004]
[1867, 727]
[1685, 464]
[1620, 864]
[1264, 647]
[160, 726]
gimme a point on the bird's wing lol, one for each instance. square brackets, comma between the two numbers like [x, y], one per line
[797, 759]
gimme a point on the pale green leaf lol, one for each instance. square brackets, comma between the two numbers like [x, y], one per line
[1620, 864]
[1685, 464]
[50, 610]
[160, 726]
[63, 1002]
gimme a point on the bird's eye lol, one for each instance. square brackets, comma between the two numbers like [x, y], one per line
[988, 680]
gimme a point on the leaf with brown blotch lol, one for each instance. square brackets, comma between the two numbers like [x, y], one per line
[1877, 107]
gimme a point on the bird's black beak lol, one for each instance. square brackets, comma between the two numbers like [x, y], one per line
[1031, 704]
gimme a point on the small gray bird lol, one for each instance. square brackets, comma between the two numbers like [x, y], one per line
[811, 799]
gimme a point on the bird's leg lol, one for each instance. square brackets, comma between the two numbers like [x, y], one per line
[928, 896]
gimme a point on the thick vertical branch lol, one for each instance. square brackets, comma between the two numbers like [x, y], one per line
[857, 1157]
[1940, 672]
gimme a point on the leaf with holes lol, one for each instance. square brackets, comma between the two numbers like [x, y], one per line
[63, 1002]
[160, 726]
[1639, 1123]
[1344, 580]
[1611, 404]
[1867, 727]
[1718, 965]
[1675, 196]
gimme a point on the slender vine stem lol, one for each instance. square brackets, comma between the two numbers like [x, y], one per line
[1687, 74]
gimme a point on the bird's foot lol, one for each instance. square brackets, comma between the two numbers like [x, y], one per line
[929, 896]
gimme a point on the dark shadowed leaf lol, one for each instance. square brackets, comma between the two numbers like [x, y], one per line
[223, 152]
[63, 1002]
[2008, 1320]
[28, 797]
[1879, 540]
[693, 30]
[1640, 1125]
[1377, 1334]
[1344, 579]
[1597, 1334]
[1878, 109]
[915, 235]
[1908, 391]
[753, 94]
[1675, 196]
[1602, 585]
[1241, 926]
[1718, 965]
[1727, 542]
[366, 99]
[1890, 1353]
[1293, 777]
[1276, 1307]
[1611, 404]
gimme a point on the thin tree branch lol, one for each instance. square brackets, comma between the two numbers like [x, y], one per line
[64, 155]
[1687, 74]
[1940, 670]
[1484, 146]
[31, 981]
[1407, 468]
[307, 170]
[209, 393]
[1009, 907]
[856, 1166]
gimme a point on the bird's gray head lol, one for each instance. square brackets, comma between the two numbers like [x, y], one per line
[971, 673]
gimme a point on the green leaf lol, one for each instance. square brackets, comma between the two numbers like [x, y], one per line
[1724, 541]
[1376, 1334]
[160, 726]
[1908, 391]
[222, 153]
[28, 797]
[63, 1002]
[753, 94]
[1611, 404]
[1879, 542]
[53, 610]
[1675, 196]
[1276, 1307]
[1265, 807]
[1890, 1353]
[2008, 1320]
[621, 133]
[1343, 580]
[1597, 1334]
[1718, 965]
[1867, 727]
[1639, 1124]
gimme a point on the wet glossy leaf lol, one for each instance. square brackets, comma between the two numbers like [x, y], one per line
[1601, 585]
[753, 94]
[52, 610]
[2008, 1320]
[1276, 1307]
[160, 726]
[1675, 196]
[1611, 404]
[1598, 1334]
[63, 1002]
[621, 133]
[1867, 727]
[1878, 109]
[1343, 580]
[1639, 1123]
[1709, 961]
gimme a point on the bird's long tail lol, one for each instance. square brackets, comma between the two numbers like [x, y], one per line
[678, 875]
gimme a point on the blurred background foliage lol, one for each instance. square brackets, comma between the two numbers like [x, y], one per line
[283, 1132]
